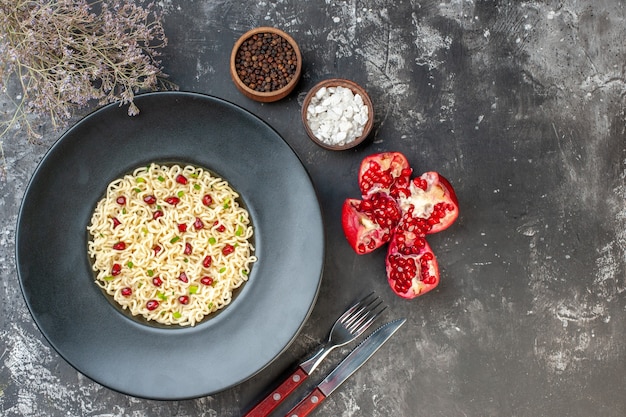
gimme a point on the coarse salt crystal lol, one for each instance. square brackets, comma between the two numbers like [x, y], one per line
[336, 115]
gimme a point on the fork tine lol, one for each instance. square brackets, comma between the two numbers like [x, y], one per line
[361, 319]
[367, 317]
[374, 314]
[356, 309]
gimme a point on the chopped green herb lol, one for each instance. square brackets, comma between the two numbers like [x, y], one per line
[140, 179]
[160, 178]
[130, 265]
[180, 194]
[137, 190]
[176, 315]
[124, 211]
[150, 272]
[193, 289]
[211, 305]
[244, 272]
[144, 230]
[212, 240]
[194, 175]
[185, 260]
[175, 239]
[222, 270]
[159, 207]
[226, 203]
[161, 296]
[109, 278]
[196, 186]
[239, 231]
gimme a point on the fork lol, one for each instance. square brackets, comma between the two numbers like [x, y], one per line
[350, 325]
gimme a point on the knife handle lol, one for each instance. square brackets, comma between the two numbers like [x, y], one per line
[308, 404]
[269, 403]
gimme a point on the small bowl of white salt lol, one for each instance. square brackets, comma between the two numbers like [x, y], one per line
[337, 114]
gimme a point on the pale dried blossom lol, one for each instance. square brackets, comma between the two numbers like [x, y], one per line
[67, 54]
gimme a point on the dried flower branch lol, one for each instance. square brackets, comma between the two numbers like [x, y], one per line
[67, 54]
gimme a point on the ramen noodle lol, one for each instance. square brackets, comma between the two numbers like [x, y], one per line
[171, 243]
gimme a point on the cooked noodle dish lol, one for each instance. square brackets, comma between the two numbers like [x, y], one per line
[171, 243]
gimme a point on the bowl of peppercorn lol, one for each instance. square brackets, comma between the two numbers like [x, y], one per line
[265, 64]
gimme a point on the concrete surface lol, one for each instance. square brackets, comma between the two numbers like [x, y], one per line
[521, 105]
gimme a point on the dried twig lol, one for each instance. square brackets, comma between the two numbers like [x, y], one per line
[67, 54]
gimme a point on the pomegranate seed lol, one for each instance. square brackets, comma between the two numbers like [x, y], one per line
[206, 262]
[181, 179]
[172, 200]
[420, 183]
[183, 299]
[188, 249]
[157, 281]
[119, 246]
[207, 280]
[183, 277]
[182, 227]
[198, 224]
[149, 199]
[117, 268]
[115, 222]
[127, 291]
[228, 249]
[156, 249]
[219, 228]
[207, 200]
[152, 304]
[157, 214]
[121, 200]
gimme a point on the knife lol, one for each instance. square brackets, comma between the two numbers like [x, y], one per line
[346, 368]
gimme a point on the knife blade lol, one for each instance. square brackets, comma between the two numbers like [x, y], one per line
[346, 368]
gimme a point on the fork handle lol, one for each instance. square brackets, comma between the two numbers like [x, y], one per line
[274, 398]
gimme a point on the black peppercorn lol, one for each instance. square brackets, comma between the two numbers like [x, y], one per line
[265, 62]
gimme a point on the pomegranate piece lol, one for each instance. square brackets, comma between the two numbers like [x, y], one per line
[157, 214]
[432, 200]
[368, 224]
[172, 200]
[119, 246]
[188, 249]
[157, 281]
[152, 305]
[157, 249]
[403, 211]
[412, 268]
[183, 299]
[115, 222]
[127, 291]
[183, 277]
[182, 227]
[121, 200]
[228, 249]
[198, 224]
[206, 281]
[386, 172]
[116, 269]
[206, 262]
[181, 179]
[149, 199]
[207, 200]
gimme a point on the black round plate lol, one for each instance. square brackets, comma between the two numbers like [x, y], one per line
[225, 349]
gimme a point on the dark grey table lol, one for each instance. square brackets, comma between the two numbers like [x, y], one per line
[522, 105]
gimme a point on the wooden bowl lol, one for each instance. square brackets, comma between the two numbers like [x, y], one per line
[272, 94]
[356, 89]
